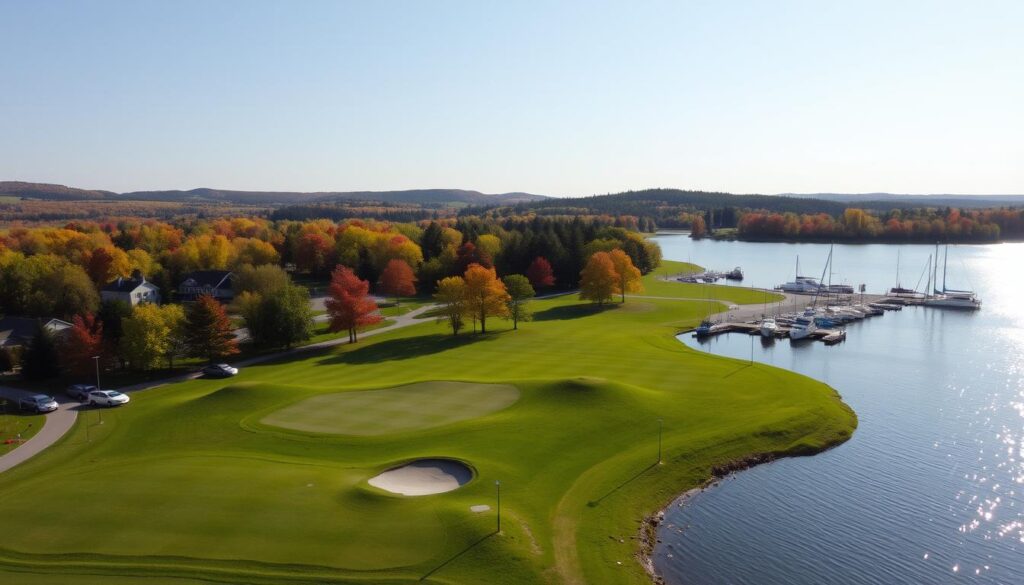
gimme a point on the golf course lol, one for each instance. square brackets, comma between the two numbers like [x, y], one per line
[266, 477]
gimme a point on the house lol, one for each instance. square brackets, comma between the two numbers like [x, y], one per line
[134, 290]
[216, 283]
[19, 331]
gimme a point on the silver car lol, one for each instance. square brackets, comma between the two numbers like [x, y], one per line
[39, 403]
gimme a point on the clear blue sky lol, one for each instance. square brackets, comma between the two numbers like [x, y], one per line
[568, 98]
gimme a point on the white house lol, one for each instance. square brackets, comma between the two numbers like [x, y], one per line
[134, 290]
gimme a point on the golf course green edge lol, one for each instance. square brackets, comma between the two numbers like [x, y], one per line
[200, 492]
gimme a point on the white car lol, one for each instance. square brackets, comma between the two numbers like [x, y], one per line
[220, 371]
[107, 398]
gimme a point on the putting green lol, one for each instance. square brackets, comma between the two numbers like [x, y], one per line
[390, 410]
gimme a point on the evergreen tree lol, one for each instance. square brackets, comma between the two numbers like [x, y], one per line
[40, 360]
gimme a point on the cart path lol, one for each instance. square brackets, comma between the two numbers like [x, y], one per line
[60, 421]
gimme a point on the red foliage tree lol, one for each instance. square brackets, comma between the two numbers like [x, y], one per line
[398, 279]
[349, 305]
[469, 254]
[82, 343]
[540, 273]
[99, 265]
[208, 331]
[314, 253]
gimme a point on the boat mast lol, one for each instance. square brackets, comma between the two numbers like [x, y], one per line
[935, 278]
[945, 261]
[828, 263]
[898, 268]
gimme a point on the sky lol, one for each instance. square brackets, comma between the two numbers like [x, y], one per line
[557, 98]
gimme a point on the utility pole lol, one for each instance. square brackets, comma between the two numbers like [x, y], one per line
[660, 426]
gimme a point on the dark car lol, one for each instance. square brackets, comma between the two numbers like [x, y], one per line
[80, 392]
[38, 403]
[220, 371]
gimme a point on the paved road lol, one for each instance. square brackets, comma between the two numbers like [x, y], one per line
[59, 422]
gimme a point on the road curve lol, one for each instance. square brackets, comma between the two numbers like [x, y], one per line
[59, 422]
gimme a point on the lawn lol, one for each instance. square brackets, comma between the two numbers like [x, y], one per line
[190, 481]
[655, 286]
[17, 427]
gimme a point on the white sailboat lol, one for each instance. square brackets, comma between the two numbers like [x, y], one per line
[950, 298]
[800, 284]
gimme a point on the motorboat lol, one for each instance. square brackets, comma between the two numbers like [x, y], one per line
[768, 327]
[803, 326]
[800, 284]
[704, 329]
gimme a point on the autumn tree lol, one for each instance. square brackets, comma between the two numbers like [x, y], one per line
[81, 343]
[698, 229]
[519, 293]
[598, 279]
[349, 305]
[540, 273]
[451, 295]
[628, 276]
[153, 333]
[398, 280]
[485, 294]
[208, 330]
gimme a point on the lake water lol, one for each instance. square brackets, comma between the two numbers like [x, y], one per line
[930, 489]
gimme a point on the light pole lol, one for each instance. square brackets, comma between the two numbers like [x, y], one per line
[660, 425]
[497, 490]
[751, 350]
[96, 359]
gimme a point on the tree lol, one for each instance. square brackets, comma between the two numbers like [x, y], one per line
[598, 279]
[540, 273]
[267, 279]
[628, 275]
[174, 320]
[82, 343]
[519, 292]
[208, 331]
[112, 315]
[146, 337]
[398, 280]
[349, 305]
[40, 360]
[485, 294]
[697, 229]
[281, 319]
[451, 294]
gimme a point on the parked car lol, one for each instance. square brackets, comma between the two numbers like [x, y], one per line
[220, 371]
[38, 403]
[80, 392]
[107, 398]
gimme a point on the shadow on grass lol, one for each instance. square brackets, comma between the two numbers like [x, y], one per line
[738, 370]
[457, 555]
[565, 312]
[597, 502]
[406, 348]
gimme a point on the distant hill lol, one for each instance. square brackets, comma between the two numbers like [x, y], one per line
[50, 192]
[418, 196]
[886, 201]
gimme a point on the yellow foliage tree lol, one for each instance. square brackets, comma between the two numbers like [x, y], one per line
[627, 275]
[485, 294]
[598, 279]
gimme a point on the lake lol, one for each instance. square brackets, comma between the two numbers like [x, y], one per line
[930, 489]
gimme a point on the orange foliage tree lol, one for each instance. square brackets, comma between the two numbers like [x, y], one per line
[349, 305]
[598, 279]
[485, 294]
[398, 279]
[628, 276]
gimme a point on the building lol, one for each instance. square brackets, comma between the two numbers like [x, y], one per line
[216, 283]
[19, 331]
[134, 290]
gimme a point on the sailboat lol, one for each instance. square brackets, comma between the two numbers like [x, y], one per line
[949, 298]
[899, 290]
[800, 284]
[804, 325]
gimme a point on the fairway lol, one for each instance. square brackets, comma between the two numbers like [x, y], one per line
[266, 478]
[390, 410]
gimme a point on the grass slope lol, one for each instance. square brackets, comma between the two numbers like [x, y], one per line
[17, 427]
[196, 491]
[654, 286]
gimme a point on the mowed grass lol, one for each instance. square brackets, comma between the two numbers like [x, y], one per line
[17, 427]
[655, 286]
[181, 485]
[393, 410]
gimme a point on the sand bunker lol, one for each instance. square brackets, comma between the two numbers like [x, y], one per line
[424, 477]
